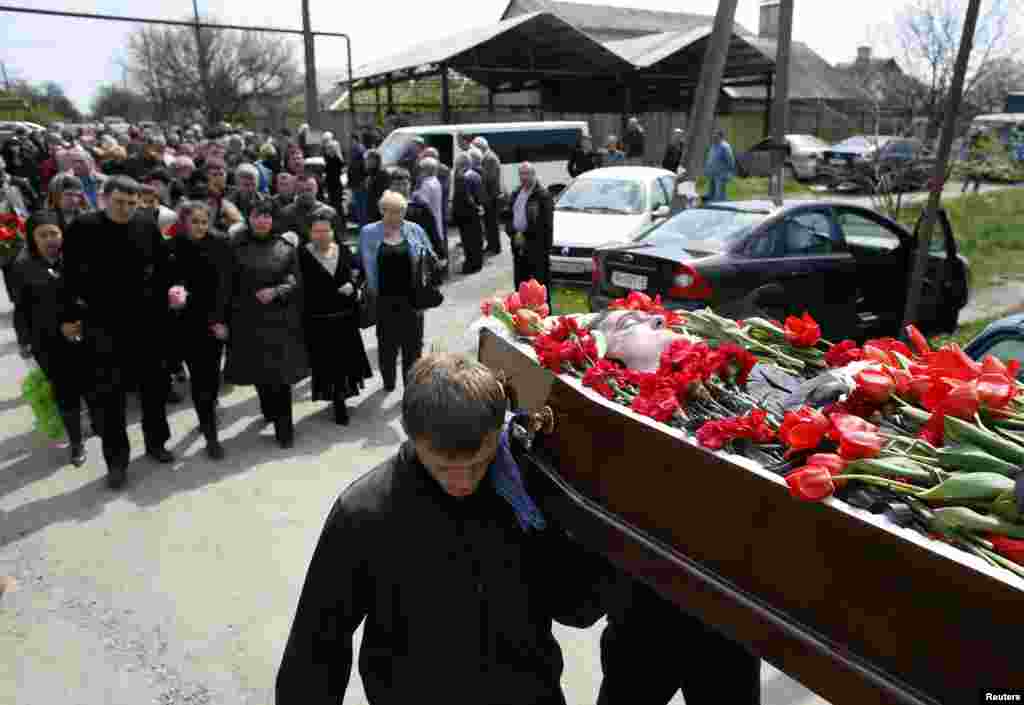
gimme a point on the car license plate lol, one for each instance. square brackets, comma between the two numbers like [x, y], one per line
[568, 267]
[629, 281]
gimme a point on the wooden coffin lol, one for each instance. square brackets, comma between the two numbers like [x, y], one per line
[858, 611]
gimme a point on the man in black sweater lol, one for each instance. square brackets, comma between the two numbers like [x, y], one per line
[115, 302]
[444, 554]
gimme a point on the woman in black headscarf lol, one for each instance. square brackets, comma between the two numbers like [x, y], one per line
[266, 345]
[336, 351]
[39, 279]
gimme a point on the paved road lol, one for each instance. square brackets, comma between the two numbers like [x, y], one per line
[180, 589]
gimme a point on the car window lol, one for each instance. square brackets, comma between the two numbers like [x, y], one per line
[764, 244]
[808, 234]
[859, 231]
[602, 195]
[705, 229]
[659, 196]
[1007, 349]
[445, 146]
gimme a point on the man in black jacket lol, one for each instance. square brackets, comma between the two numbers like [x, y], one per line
[116, 284]
[444, 554]
[530, 224]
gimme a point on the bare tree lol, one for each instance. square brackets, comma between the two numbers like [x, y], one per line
[929, 32]
[111, 99]
[242, 68]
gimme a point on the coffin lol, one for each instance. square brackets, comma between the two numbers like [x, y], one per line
[857, 609]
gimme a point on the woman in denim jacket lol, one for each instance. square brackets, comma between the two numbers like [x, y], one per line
[390, 251]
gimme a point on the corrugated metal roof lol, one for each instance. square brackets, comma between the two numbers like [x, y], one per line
[555, 45]
[612, 23]
[810, 77]
[650, 49]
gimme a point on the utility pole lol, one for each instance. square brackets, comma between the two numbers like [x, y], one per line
[7, 81]
[312, 97]
[935, 184]
[702, 115]
[204, 68]
[780, 110]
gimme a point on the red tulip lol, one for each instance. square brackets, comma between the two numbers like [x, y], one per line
[533, 294]
[919, 342]
[951, 361]
[843, 353]
[513, 303]
[876, 385]
[832, 462]
[527, 322]
[854, 445]
[993, 364]
[1012, 549]
[995, 391]
[811, 484]
[847, 423]
[901, 379]
[543, 311]
[882, 350]
[962, 400]
[803, 332]
[803, 429]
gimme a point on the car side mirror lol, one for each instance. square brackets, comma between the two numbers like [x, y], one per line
[661, 212]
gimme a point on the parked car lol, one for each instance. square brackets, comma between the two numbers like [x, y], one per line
[1003, 339]
[860, 163]
[606, 206]
[805, 153]
[846, 265]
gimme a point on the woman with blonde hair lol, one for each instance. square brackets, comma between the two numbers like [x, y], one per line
[393, 251]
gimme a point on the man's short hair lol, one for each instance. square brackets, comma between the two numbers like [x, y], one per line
[400, 174]
[121, 184]
[247, 169]
[452, 402]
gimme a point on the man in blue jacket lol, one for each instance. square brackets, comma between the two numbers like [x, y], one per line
[719, 168]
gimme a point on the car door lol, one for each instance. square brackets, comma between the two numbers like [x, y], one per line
[759, 159]
[801, 264]
[881, 251]
[944, 291]
[660, 199]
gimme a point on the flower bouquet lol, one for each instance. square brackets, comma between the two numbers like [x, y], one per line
[38, 392]
[12, 237]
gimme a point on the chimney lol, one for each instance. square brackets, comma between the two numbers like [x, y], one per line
[863, 55]
[768, 28]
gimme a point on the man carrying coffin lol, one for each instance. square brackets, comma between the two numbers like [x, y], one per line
[447, 558]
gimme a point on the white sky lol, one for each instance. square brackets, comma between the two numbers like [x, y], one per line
[79, 54]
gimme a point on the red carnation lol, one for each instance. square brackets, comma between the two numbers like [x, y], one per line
[803, 332]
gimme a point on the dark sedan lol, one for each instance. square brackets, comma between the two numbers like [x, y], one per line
[847, 266]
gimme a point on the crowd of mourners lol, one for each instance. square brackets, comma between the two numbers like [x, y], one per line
[222, 252]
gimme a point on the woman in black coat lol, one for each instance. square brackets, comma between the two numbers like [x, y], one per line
[336, 352]
[201, 263]
[266, 342]
[39, 282]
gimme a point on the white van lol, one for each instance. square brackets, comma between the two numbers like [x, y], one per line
[546, 145]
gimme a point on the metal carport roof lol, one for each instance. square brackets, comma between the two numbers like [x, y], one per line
[521, 48]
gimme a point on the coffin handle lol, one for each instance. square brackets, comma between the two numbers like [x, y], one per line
[543, 421]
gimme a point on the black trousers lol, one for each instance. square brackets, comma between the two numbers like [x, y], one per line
[399, 328]
[276, 404]
[650, 649]
[66, 367]
[491, 226]
[203, 354]
[471, 232]
[531, 265]
[120, 365]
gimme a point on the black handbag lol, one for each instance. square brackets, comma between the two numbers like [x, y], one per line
[425, 293]
[367, 307]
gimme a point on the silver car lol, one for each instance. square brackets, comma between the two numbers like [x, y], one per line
[805, 153]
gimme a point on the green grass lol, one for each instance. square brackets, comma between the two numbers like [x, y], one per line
[989, 229]
[569, 299]
[755, 188]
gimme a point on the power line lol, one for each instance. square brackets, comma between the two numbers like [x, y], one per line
[192, 24]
